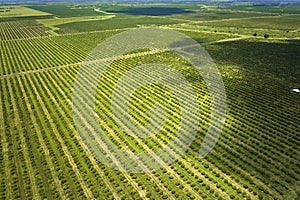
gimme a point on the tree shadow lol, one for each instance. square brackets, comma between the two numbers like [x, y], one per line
[152, 11]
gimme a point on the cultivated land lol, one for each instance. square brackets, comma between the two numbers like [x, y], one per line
[19, 11]
[256, 48]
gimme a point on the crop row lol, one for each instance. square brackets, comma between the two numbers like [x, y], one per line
[270, 156]
[22, 29]
[105, 83]
[41, 91]
[44, 157]
[118, 137]
[40, 53]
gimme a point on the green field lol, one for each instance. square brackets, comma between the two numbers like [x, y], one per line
[19, 11]
[67, 10]
[42, 155]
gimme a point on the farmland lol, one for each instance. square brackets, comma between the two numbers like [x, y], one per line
[19, 11]
[42, 155]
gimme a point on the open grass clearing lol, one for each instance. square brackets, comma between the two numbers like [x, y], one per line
[20, 11]
[114, 23]
[288, 22]
[52, 23]
[67, 10]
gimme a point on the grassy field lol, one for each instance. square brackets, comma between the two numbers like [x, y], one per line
[114, 23]
[285, 23]
[67, 10]
[54, 23]
[276, 9]
[42, 155]
[19, 11]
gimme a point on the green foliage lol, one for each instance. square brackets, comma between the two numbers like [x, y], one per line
[256, 157]
[211, 14]
[22, 29]
[258, 56]
[20, 55]
[19, 11]
[275, 9]
[288, 22]
[62, 10]
[114, 23]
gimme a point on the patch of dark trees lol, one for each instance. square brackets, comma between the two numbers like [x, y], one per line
[152, 11]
